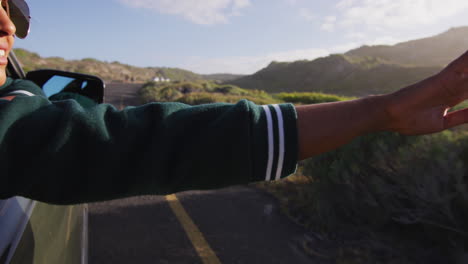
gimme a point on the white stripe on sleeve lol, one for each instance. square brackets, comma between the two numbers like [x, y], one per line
[281, 141]
[17, 92]
[270, 142]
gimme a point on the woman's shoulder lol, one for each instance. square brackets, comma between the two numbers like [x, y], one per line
[20, 86]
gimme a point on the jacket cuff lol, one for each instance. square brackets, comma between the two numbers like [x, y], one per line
[276, 142]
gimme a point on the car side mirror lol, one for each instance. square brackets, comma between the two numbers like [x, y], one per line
[55, 82]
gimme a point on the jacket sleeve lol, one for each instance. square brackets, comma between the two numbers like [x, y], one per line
[62, 153]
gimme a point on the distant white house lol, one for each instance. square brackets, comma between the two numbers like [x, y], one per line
[161, 79]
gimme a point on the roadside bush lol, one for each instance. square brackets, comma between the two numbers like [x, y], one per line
[207, 98]
[310, 98]
[168, 94]
[411, 187]
[201, 92]
[200, 98]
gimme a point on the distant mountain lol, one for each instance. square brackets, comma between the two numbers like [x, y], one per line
[222, 77]
[335, 74]
[363, 71]
[438, 50]
[110, 72]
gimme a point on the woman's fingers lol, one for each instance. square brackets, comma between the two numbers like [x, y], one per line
[461, 63]
[453, 81]
[456, 118]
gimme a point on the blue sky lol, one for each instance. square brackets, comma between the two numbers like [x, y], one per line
[233, 36]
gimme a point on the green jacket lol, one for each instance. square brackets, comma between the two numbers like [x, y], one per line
[62, 153]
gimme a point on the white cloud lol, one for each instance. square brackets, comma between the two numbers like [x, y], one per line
[291, 2]
[306, 14]
[396, 14]
[345, 4]
[208, 12]
[356, 35]
[329, 24]
[238, 5]
[329, 27]
[374, 22]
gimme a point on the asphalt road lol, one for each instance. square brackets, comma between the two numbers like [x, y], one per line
[121, 94]
[239, 224]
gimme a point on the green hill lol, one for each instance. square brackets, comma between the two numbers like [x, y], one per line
[222, 77]
[433, 51]
[363, 71]
[335, 74]
[113, 71]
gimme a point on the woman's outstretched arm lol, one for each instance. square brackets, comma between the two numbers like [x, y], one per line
[420, 108]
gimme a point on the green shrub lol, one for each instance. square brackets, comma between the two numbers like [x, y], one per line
[207, 98]
[200, 98]
[310, 98]
[201, 92]
[385, 181]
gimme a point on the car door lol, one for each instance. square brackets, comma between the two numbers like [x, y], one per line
[35, 232]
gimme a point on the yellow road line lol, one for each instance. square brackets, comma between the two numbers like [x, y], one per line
[196, 237]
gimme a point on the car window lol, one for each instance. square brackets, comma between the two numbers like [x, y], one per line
[14, 215]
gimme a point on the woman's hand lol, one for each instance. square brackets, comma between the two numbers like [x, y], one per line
[422, 108]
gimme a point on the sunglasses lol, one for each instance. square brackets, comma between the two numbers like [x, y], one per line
[18, 11]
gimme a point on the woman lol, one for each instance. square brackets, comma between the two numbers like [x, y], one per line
[59, 152]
